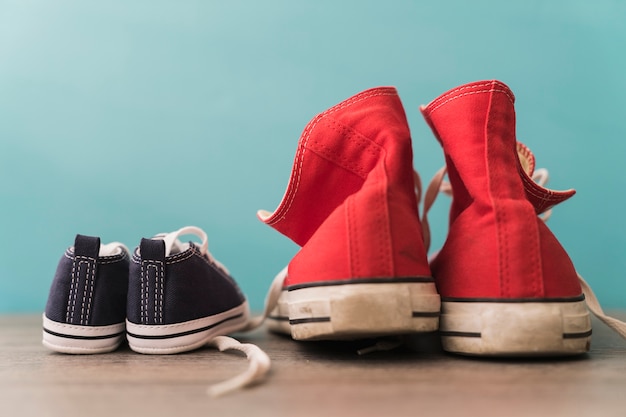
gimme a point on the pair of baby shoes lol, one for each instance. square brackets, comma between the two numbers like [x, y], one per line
[167, 297]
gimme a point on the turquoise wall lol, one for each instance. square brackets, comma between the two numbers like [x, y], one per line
[127, 118]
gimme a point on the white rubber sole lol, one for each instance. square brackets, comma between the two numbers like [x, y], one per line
[185, 336]
[76, 339]
[356, 311]
[515, 328]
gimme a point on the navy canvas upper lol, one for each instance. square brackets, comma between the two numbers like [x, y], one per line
[177, 288]
[88, 289]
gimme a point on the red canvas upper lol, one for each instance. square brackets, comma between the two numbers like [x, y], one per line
[496, 247]
[350, 202]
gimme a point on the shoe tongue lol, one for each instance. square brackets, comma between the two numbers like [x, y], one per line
[173, 245]
[111, 249]
[540, 197]
[526, 159]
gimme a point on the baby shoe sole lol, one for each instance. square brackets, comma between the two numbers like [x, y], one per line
[551, 328]
[185, 336]
[76, 339]
[356, 310]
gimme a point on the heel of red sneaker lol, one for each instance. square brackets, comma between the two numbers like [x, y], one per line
[511, 328]
[355, 310]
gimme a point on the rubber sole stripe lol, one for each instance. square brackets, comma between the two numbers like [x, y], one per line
[71, 336]
[581, 335]
[327, 319]
[188, 332]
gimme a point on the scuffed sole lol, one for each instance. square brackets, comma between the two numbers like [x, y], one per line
[515, 328]
[356, 311]
[76, 339]
[182, 337]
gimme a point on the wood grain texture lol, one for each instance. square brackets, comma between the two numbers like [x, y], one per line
[307, 379]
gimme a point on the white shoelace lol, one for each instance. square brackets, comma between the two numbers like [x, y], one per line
[259, 365]
[258, 361]
[271, 300]
[594, 306]
[540, 176]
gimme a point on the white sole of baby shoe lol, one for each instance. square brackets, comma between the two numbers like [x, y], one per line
[77, 339]
[523, 328]
[355, 310]
[182, 337]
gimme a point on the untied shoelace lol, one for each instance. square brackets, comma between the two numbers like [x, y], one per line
[258, 361]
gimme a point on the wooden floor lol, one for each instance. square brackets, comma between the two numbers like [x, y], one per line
[307, 379]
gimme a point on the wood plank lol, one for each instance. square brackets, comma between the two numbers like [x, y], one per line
[307, 379]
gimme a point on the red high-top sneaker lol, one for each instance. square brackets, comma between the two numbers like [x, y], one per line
[507, 286]
[350, 203]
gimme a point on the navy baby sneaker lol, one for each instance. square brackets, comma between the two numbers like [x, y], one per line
[86, 307]
[179, 296]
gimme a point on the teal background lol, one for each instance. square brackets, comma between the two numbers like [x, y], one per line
[127, 118]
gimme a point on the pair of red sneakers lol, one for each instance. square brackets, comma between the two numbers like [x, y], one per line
[500, 285]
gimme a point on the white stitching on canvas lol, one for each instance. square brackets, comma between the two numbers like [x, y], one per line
[458, 89]
[287, 201]
[156, 292]
[92, 280]
[69, 314]
[179, 257]
[366, 145]
[141, 295]
[446, 96]
[112, 259]
[72, 296]
[88, 262]
[548, 198]
[493, 90]
[159, 280]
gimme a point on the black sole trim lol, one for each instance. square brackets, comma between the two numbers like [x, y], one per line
[310, 320]
[580, 335]
[405, 280]
[460, 334]
[76, 337]
[425, 314]
[327, 319]
[278, 318]
[186, 333]
[514, 300]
